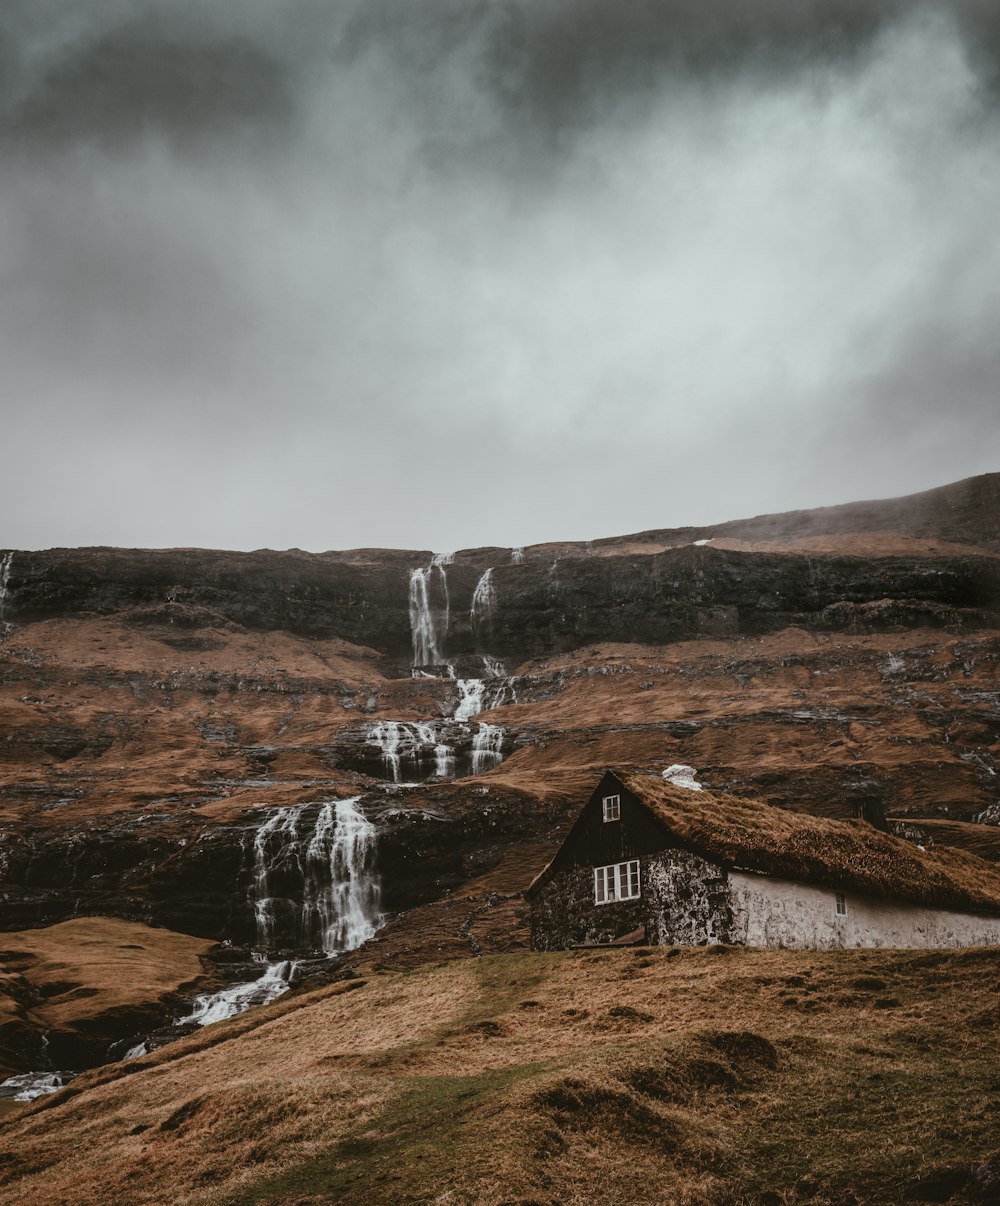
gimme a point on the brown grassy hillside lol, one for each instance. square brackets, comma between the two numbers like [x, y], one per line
[710, 1076]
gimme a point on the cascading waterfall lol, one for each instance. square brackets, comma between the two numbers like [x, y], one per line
[228, 1002]
[477, 695]
[487, 749]
[342, 893]
[5, 565]
[425, 646]
[470, 697]
[444, 761]
[387, 735]
[317, 886]
[429, 634]
[27, 1086]
[412, 742]
[484, 599]
[517, 556]
[314, 888]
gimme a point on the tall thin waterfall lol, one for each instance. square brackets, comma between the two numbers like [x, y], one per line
[316, 887]
[517, 556]
[429, 632]
[343, 894]
[484, 599]
[5, 565]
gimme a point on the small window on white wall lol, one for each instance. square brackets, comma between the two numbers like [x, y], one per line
[841, 905]
[619, 881]
[612, 808]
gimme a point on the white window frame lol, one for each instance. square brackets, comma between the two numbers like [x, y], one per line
[840, 904]
[612, 808]
[617, 881]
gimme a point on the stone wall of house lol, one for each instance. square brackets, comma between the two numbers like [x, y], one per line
[781, 913]
[684, 901]
[563, 913]
[688, 900]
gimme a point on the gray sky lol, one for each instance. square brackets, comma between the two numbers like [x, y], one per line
[430, 273]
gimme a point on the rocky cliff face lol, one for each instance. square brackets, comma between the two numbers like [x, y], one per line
[652, 588]
[157, 706]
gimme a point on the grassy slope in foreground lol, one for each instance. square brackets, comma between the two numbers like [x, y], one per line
[707, 1076]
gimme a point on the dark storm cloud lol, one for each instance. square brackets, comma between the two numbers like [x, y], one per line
[146, 76]
[421, 271]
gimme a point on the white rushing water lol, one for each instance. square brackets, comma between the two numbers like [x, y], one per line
[517, 556]
[315, 888]
[413, 742]
[484, 599]
[477, 695]
[486, 748]
[5, 565]
[429, 623]
[237, 998]
[470, 697]
[28, 1085]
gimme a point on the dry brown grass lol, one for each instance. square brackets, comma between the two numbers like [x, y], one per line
[85, 976]
[703, 1077]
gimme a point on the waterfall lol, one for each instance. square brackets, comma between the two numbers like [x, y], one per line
[318, 885]
[444, 761]
[314, 888]
[478, 695]
[411, 752]
[387, 735]
[429, 634]
[276, 861]
[517, 556]
[414, 742]
[425, 646]
[470, 701]
[487, 749]
[212, 1007]
[5, 565]
[484, 599]
[342, 894]
[27, 1086]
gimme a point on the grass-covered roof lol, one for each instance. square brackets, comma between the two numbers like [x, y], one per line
[846, 855]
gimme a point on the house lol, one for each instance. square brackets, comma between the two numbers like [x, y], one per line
[647, 861]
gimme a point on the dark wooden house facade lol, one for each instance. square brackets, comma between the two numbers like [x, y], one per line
[622, 876]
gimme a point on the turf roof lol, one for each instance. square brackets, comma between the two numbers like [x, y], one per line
[845, 855]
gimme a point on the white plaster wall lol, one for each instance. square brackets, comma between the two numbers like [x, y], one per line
[781, 913]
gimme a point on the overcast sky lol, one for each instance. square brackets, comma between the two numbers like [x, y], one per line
[444, 273]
